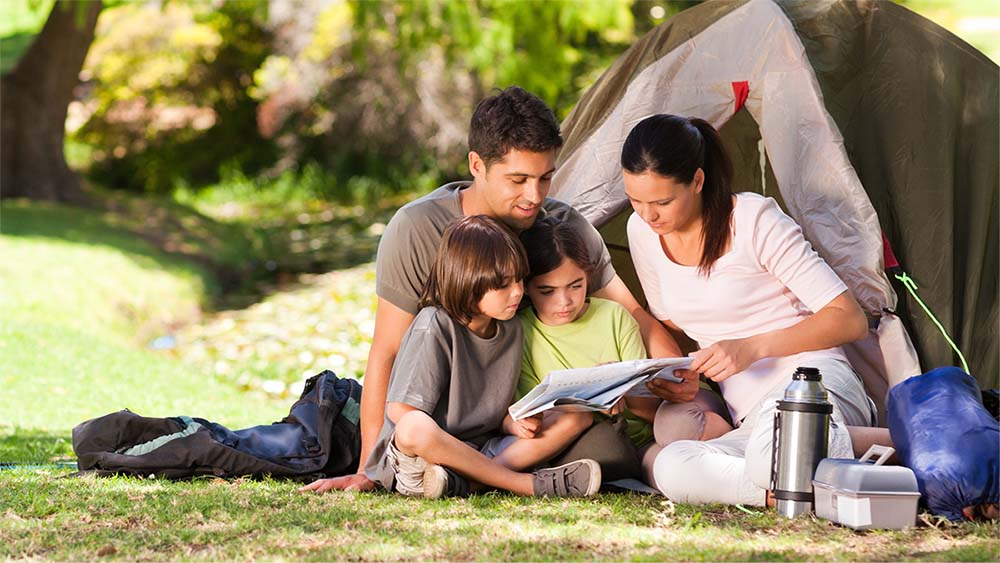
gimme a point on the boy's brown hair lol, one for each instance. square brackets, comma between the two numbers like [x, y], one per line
[477, 253]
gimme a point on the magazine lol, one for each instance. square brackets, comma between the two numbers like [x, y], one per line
[597, 388]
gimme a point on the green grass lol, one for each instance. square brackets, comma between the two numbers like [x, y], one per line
[210, 520]
[81, 291]
[81, 296]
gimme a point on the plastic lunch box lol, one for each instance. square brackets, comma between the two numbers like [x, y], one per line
[865, 494]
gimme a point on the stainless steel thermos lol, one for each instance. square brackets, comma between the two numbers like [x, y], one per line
[801, 430]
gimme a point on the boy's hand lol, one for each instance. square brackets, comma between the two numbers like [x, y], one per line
[355, 482]
[524, 428]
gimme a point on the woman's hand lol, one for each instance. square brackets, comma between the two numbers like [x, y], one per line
[674, 392]
[525, 428]
[725, 358]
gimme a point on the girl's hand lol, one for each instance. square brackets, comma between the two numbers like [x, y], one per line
[525, 428]
[616, 408]
[725, 358]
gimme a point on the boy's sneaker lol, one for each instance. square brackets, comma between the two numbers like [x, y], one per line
[443, 482]
[580, 478]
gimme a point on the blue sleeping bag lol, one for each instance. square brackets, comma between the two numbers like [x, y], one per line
[943, 433]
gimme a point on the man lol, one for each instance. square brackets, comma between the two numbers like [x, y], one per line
[513, 139]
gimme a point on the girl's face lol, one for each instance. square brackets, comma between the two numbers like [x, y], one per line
[665, 205]
[501, 303]
[560, 296]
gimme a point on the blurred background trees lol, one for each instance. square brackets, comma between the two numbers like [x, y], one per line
[357, 99]
[35, 95]
[346, 100]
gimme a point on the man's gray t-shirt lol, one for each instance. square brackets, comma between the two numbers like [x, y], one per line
[464, 382]
[410, 242]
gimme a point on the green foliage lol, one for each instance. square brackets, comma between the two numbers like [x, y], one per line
[169, 98]
[545, 47]
[975, 21]
[20, 21]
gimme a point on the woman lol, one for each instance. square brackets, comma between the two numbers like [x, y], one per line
[735, 274]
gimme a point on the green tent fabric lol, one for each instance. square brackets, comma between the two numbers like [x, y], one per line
[860, 118]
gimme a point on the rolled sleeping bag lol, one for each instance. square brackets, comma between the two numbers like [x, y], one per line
[942, 431]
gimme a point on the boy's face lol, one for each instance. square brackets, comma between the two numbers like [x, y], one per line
[502, 303]
[516, 185]
[560, 296]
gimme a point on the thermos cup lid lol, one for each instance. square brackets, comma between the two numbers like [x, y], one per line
[806, 373]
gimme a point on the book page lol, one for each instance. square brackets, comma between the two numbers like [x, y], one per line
[595, 388]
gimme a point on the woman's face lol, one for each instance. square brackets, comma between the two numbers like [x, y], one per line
[560, 296]
[665, 205]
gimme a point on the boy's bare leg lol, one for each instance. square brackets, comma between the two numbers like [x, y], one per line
[418, 435]
[558, 431]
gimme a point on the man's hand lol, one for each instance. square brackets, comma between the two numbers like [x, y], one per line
[725, 358]
[676, 392]
[355, 482]
[525, 428]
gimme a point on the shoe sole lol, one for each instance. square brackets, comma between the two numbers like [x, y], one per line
[435, 481]
[595, 477]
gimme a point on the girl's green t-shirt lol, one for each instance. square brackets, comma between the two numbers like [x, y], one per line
[605, 333]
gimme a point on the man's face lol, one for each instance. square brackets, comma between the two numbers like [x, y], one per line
[516, 185]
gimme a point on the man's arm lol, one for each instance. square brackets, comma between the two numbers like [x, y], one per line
[391, 323]
[658, 342]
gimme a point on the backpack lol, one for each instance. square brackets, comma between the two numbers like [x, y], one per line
[320, 437]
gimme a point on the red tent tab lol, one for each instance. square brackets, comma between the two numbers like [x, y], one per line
[887, 255]
[740, 91]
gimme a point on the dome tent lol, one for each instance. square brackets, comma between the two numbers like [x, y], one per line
[859, 118]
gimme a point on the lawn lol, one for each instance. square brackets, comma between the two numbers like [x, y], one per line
[83, 294]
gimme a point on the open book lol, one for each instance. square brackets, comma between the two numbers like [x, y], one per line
[597, 388]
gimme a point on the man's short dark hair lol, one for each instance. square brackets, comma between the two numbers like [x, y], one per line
[512, 119]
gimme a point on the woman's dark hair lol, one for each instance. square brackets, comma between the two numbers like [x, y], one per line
[548, 242]
[676, 147]
[476, 254]
[512, 119]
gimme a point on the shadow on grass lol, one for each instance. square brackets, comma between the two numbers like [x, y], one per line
[29, 447]
[240, 262]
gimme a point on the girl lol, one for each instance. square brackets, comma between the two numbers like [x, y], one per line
[455, 374]
[735, 274]
[565, 329]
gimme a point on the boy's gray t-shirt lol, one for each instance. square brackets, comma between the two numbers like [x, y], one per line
[464, 382]
[410, 242]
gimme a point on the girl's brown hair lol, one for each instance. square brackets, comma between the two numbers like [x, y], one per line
[548, 242]
[477, 253]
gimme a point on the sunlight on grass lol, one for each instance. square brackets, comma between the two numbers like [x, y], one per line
[80, 301]
[209, 519]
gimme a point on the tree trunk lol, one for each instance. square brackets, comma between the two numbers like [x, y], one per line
[34, 98]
